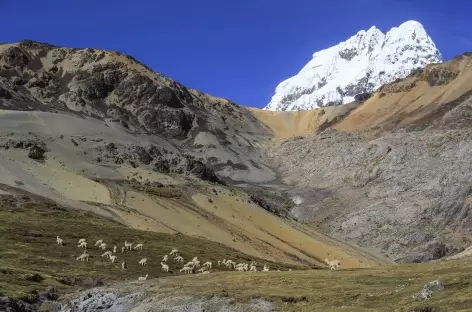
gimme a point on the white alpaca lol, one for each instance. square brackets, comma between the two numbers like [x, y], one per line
[246, 266]
[143, 261]
[265, 269]
[174, 252]
[165, 267]
[107, 254]
[122, 249]
[103, 246]
[196, 263]
[99, 242]
[114, 249]
[179, 259]
[123, 265]
[203, 269]
[208, 264]
[190, 263]
[143, 278]
[230, 263]
[240, 269]
[138, 247]
[128, 245]
[82, 240]
[165, 258]
[113, 259]
[195, 259]
[253, 268]
[219, 262]
[334, 264]
[186, 269]
[59, 241]
[82, 245]
[83, 257]
[290, 270]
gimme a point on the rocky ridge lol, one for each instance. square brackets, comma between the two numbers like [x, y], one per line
[127, 95]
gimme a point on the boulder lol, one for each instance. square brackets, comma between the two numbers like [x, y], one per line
[36, 152]
[363, 97]
[429, 289]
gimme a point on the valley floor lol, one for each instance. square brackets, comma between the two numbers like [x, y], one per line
[383, 288]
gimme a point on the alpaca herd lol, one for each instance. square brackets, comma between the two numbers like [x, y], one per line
[193, 266]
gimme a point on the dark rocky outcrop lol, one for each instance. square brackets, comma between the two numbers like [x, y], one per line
[36, 152]
[362, 97]
[11, 305]
[14, 56]
[437, 76]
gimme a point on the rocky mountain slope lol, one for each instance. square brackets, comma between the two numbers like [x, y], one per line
[387, 173]
[100, 132]
[360, 65]
[391, 172]
[127, 95]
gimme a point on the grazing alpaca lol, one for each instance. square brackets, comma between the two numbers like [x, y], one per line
[265, 269]
[179, 259]
[187, 269]
[334, 264]
[230, 263]
[165, 267]
[107, 254]
[128, 245]
[103, 246]
[174, 252]
[83, 257]
[143, 278]
[82, 240]
[208, 264]
[143, 261]
[113, 259]
[99, 242]
[138, 247]
[59, 241]
[82, 245]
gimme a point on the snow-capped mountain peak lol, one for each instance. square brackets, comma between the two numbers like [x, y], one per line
[358, 65]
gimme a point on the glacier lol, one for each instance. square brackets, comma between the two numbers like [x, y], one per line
[359, 65]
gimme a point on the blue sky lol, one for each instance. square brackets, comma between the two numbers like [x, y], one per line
[238, 49]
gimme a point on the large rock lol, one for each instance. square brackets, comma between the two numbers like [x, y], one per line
[36, 152]
[429, 289]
